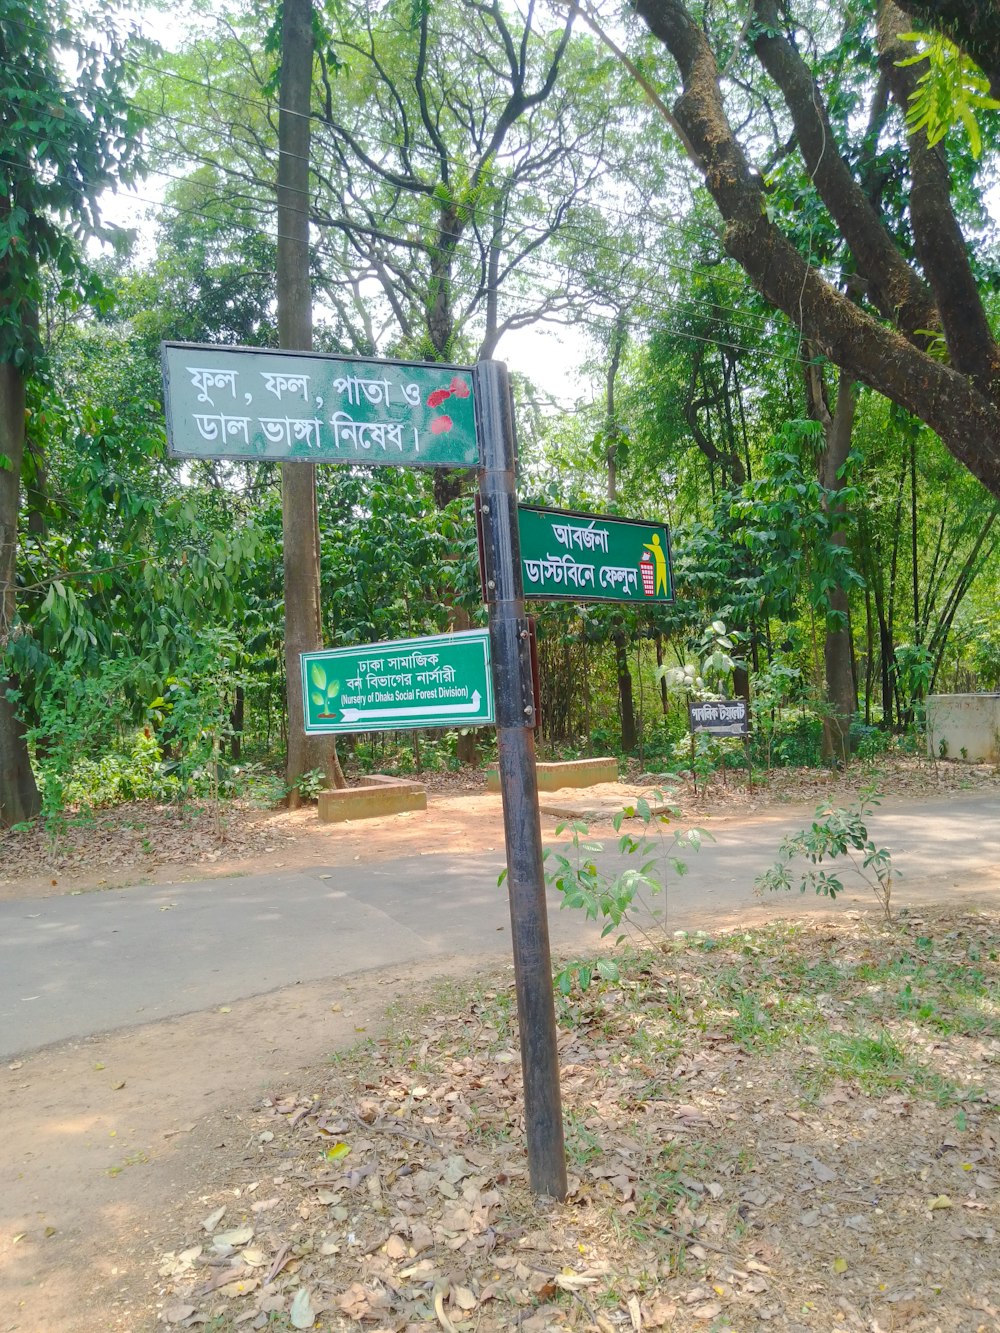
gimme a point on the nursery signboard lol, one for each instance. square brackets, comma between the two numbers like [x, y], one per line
[243, 402]
[593, 557]
[442, 680]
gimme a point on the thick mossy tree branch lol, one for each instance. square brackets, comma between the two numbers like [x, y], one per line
[897, 292]
[872, 353]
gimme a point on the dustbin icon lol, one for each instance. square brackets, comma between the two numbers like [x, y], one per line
[648, 574]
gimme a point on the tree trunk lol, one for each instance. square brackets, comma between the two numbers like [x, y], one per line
[19, 797]
[236, 720]
[611, 426]
[300, 527]
[836, 644]
[626, 703]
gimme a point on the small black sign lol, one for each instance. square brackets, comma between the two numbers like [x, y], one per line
[722, 717]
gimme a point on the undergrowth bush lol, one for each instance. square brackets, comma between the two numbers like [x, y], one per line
[132, 773]
[111, 732]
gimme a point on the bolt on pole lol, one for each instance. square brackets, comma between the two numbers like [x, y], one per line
[515, 714]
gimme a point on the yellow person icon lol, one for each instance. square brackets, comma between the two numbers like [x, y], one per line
[660, 562]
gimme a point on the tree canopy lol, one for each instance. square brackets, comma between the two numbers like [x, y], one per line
[773, 227]
[896, 301]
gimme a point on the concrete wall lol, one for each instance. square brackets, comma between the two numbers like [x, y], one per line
[375, 796]
[969, 722]
[567, 773]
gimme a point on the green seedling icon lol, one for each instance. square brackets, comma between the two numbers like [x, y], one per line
[322, 691]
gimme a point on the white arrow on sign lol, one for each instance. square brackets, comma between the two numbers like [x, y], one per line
[445, 710]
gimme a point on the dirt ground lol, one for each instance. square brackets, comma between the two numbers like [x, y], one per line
[145, 843]
[112, 1145]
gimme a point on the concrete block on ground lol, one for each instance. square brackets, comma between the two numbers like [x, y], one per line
[377, 795]
[601, 808]
[964, 727]
[567, 773]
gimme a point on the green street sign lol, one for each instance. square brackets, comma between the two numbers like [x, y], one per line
[593, 557]
[242, 402]
[443, 680]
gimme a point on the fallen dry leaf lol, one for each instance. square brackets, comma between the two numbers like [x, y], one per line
[226, 1241]
[214, 1218]
[301, 1313]
[176, 1314]
[706, 1310]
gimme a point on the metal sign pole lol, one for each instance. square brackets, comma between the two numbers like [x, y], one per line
[515, 716]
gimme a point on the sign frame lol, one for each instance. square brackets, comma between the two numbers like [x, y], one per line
[406, 717]
[721, 731]
[373, 429]
[580, 595]
[507, 648]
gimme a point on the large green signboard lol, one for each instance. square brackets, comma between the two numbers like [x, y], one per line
[593, 557]
[241, 402]
[438, 681]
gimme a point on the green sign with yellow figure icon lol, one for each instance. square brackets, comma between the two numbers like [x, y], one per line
[593, 557]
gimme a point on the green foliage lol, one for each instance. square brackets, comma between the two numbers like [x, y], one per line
[709, 667]
[870, 742]
[702, 755]
[69, 130]
[106, 735]
[309, 785]
[835, 832]
[786, 731]
[131, 770]
[192, 715]
[713, 666]
[951, 91]
[786, 520]
[212, 276]
[621, 898]
[796, 740]
[985, 652]
[913, 668]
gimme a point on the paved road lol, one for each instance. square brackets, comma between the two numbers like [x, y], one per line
[75, 966]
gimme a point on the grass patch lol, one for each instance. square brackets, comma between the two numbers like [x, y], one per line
[875, 1061]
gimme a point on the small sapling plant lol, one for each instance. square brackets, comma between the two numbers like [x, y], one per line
[835, 832]
[624, 901]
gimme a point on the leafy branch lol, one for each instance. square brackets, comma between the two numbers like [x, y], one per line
[951, 91]
[835, 832]
[623, 900]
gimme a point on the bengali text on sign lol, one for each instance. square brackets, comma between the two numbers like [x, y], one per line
[593, 557]
[237, 402]
[440, 680]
